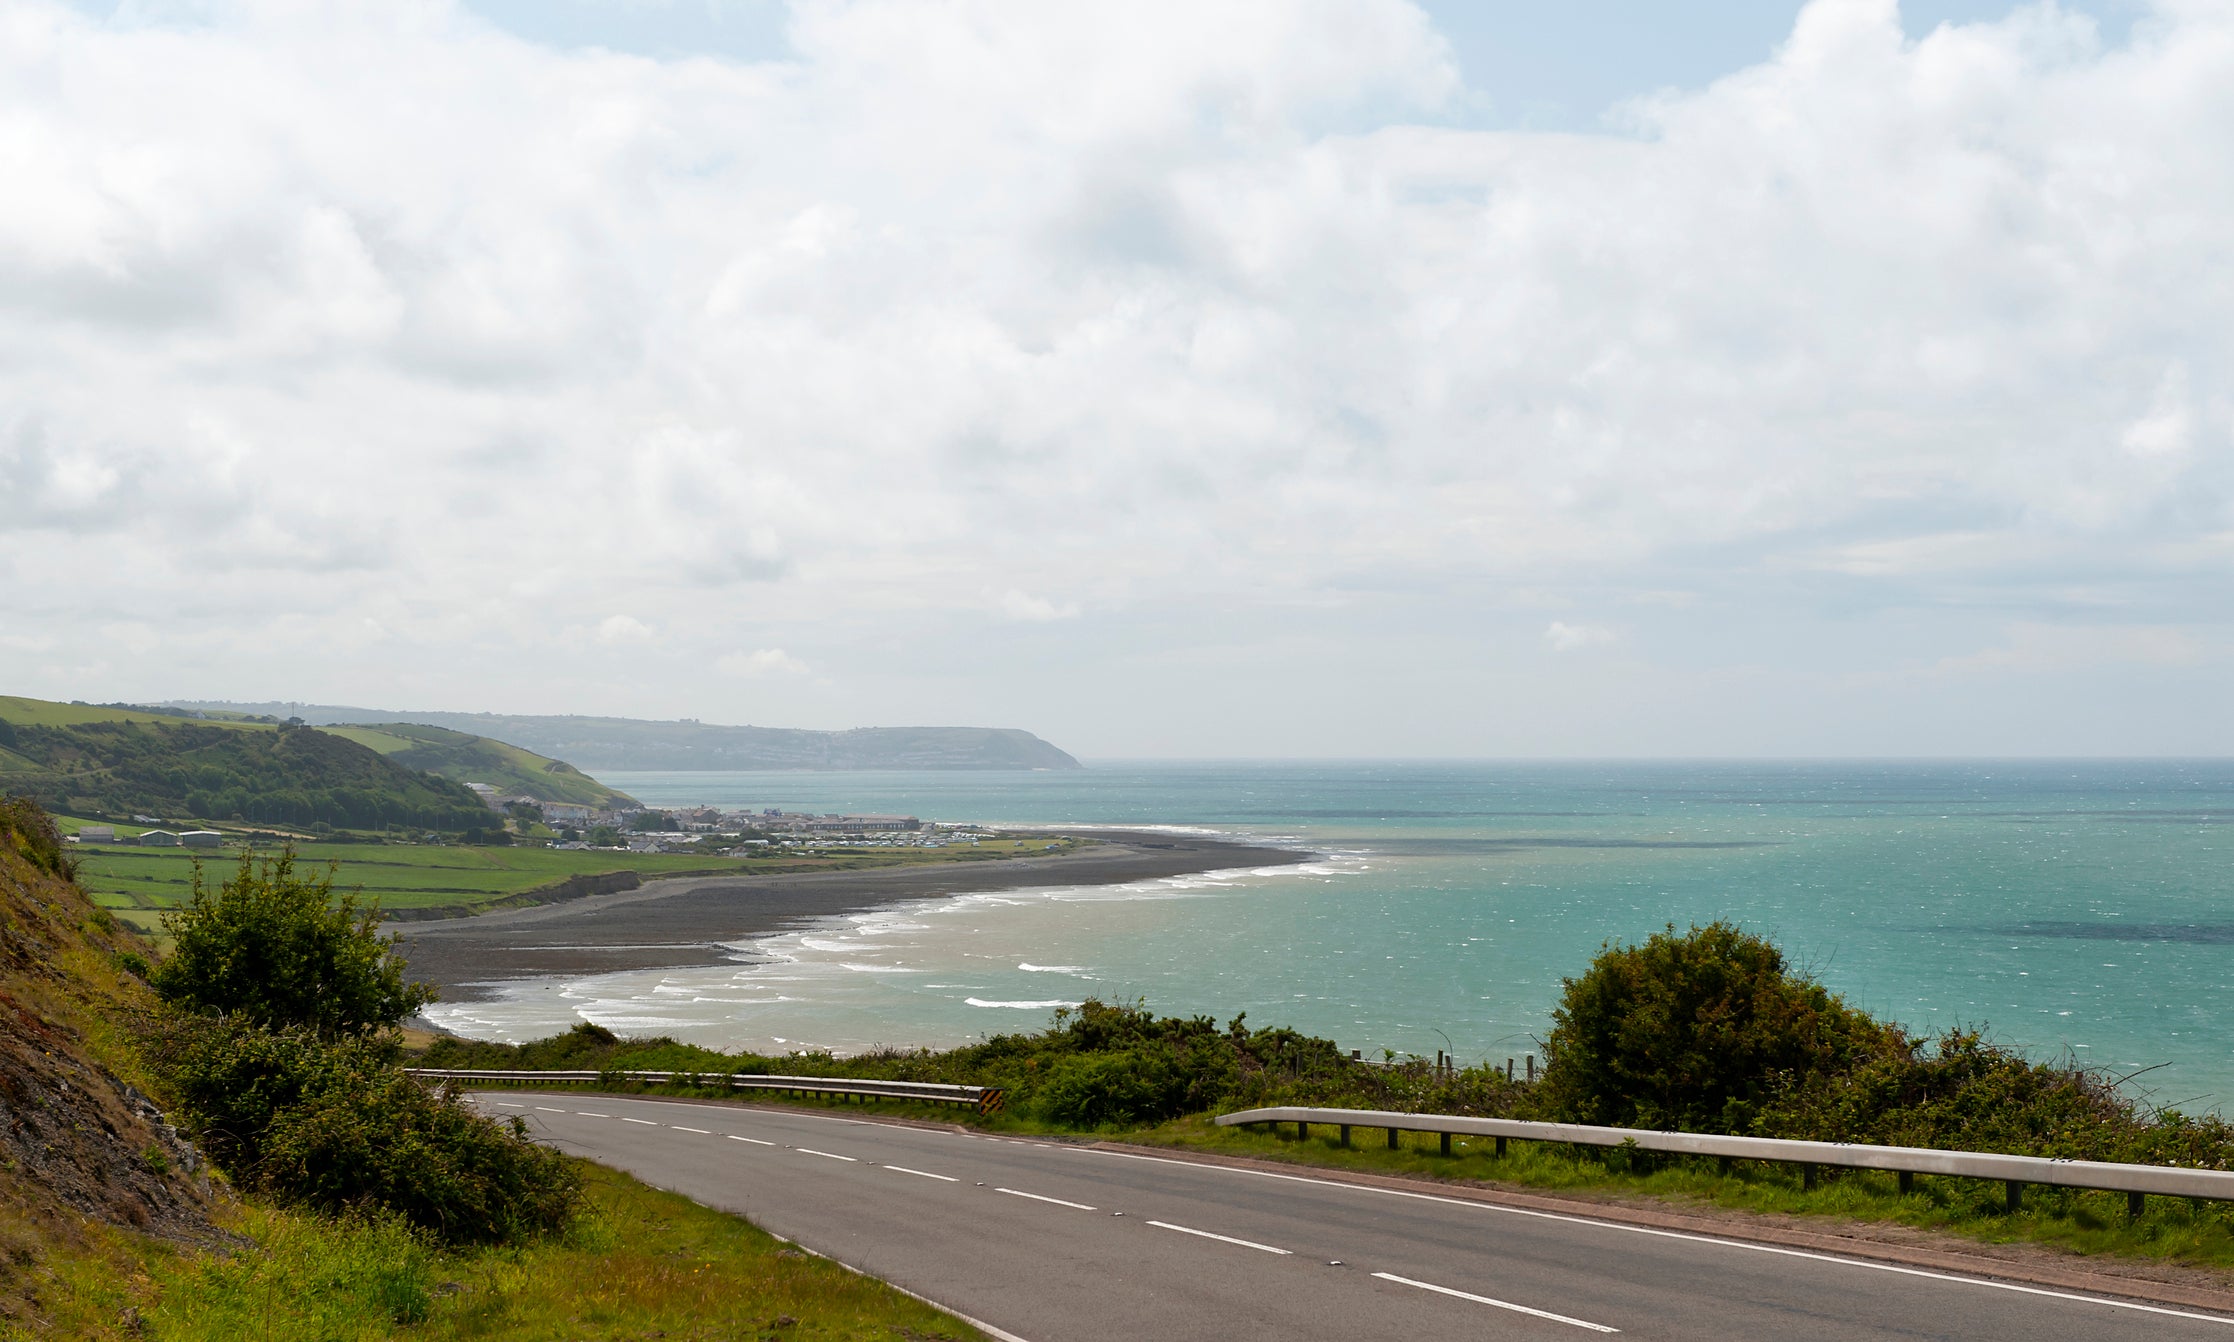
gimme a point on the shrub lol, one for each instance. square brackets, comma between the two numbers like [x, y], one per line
[334, 1125]
[387, 1140]
[1697, 1031]
[285, 952]
[1093, 1089]
[27, 829]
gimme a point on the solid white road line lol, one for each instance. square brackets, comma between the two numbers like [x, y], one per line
[1748, 1246]
[700, 1131]
[943, 1178]
[645, 1121]
[825, 1155]
[1223, 1239]
[1500, 1304]
[754, 1140]
[1018, 1193]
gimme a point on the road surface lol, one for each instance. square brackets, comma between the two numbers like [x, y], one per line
[1046, 1242]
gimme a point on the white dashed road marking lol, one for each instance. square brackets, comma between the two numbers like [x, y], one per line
[1223, 1239]
[1016, 1193]
[1500, 1304]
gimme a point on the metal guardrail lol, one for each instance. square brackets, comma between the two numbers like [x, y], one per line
[2135, 1181]
[984, 1099]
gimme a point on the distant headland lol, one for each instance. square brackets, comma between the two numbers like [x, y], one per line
[633, 743]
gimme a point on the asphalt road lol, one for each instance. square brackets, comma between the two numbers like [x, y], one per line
[1055, 1243]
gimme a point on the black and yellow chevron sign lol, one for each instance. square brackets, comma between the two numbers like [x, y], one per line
[989, 1102]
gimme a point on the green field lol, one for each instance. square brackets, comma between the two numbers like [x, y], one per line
[139, 883]
[478, 759]
[47, 713]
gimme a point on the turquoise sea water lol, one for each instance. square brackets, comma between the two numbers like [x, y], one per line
[2079, 907]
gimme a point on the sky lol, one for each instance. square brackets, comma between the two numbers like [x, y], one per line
[1270, 378]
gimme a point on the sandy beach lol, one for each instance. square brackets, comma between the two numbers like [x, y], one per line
[687, 920]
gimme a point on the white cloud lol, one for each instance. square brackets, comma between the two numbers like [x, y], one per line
[1564, 637]
[1018, 605]
[2169, 427]
[615, 630]
[763, 662]
[1175, 311]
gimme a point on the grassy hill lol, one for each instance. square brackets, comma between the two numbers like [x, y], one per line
[466, 758]
[633, 743]
[89, 760]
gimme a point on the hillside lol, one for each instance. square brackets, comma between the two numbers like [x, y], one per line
[99, 761]
[465, 758]
[634, 743]
[80, 1147]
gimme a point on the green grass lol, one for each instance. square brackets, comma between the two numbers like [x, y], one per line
[639, 1264]
[478, 759]
[138, 883]
[46, 713]
[2171, 1229]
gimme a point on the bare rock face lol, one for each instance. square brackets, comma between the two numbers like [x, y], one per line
[74, 1135]
[78, 1144]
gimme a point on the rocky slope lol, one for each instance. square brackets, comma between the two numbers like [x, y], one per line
[80, 1146]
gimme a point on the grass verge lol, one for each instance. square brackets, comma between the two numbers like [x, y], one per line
[639, 1263]
[2171, 1229]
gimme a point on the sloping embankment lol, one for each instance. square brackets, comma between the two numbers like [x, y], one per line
[79, 1145]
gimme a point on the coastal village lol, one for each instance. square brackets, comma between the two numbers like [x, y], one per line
[637, 829]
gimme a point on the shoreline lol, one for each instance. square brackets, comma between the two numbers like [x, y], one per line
[686, 921]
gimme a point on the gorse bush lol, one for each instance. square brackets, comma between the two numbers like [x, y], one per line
[1696, 1031]
[278, 1047]
[285, 951]
[335, 1125]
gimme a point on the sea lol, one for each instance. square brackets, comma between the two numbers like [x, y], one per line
[2080, 910]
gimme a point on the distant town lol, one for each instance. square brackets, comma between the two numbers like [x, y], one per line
[570, 826]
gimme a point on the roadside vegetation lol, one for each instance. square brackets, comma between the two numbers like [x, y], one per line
[1706, 1030]
[309, 1188]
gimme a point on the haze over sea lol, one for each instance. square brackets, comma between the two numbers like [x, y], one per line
[2077, 908]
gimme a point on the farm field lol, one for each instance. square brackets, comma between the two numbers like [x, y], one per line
[139, 883]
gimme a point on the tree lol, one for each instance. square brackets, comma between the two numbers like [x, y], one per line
[1696, 1031]
[283, 951]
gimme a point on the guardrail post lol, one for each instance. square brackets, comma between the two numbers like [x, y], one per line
[1500, 1146]
[1302, 1132]
[2016, 1195]
[2134, 1202]
[1446, 1143]
[1807, 1177]
[1727, 1165]
[1907, 1182]
[1345, 1136]
[1393, 1134]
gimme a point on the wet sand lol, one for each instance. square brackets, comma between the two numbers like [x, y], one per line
[684, 921]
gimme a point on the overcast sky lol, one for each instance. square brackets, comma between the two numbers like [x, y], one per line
[1259, 378]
